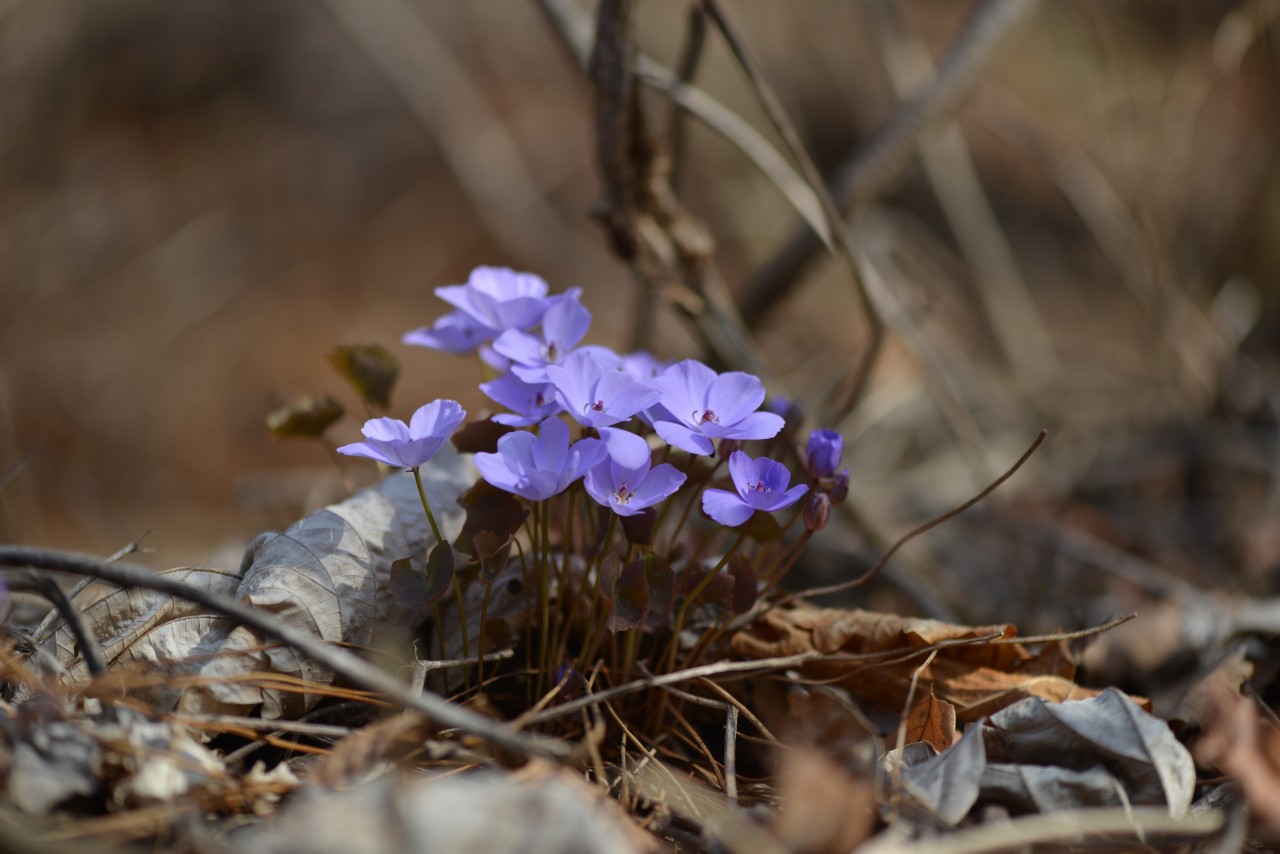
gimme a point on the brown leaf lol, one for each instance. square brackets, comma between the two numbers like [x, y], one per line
[824, 808]
[976, 678]
[932, 720]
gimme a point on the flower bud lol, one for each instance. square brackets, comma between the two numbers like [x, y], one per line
[825, 449]
[840, 490]
[817, 510]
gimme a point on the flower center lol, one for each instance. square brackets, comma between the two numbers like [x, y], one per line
[540, 399]
[552, 351]
[622, 493]
[707, 415]
[598, 406]
[758, 486]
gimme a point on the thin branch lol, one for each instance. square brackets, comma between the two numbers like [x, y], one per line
[41, 584]
[123, 552]
[341, 662]
[686, 67]
[876, 166]
[915, 532]
[675, 678]
[835, 226]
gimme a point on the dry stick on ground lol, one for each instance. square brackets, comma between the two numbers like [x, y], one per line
[878, 164]
[41, 584]
[836, 229]
[131, 548]
[341, 662]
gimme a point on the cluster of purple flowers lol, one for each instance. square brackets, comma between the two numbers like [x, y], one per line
[534, 340]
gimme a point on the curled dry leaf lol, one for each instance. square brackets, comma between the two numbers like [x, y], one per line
[1247, 747]
[1043, 757]
[328, 574]
[976, 678]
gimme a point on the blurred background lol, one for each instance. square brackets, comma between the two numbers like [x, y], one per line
[200, 200]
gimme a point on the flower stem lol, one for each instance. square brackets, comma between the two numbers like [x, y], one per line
[426, 505]
[674, 646]
[484, 617]
[684, 517]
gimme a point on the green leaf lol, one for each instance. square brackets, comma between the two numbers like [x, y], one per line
[625, 591]
[409, 585]
[662, 583]
[439, 571]
[489, 509]
[304, 418]
[493, 552]
[370, 369]
[416, 583]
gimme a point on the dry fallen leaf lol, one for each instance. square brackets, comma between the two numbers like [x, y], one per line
[1044, 757]
[328, 574]
[823, 808]
[977, 679]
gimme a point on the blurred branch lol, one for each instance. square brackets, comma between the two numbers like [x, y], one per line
[882, 161]
[861, 373]
[668, 251]
[950, 170]
[473, 140]
[574, 29]
[686, 67]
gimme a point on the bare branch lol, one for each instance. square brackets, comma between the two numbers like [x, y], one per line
[358, 672]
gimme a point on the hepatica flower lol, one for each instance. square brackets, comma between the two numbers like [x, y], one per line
[624, 482]
[455, 333]
[760, 484]
[563, 326]
[538, 467]
[493, 300]
[598, 395]
[706, 405]
[498, 298]
[529, 403]
[411, 445]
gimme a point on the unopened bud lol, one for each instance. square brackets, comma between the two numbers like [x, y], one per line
[825, 448]
[817, 510]
[840, 490]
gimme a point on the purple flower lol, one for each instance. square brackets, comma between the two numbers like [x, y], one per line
[707, 405]
[761, 484]
[529, 403]
[538, 467]
[395, 443]
[499, 299]
[598, 395]
[563, 326]
[643, 365]
[825, 448]
[624, 482]
[455, 332]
